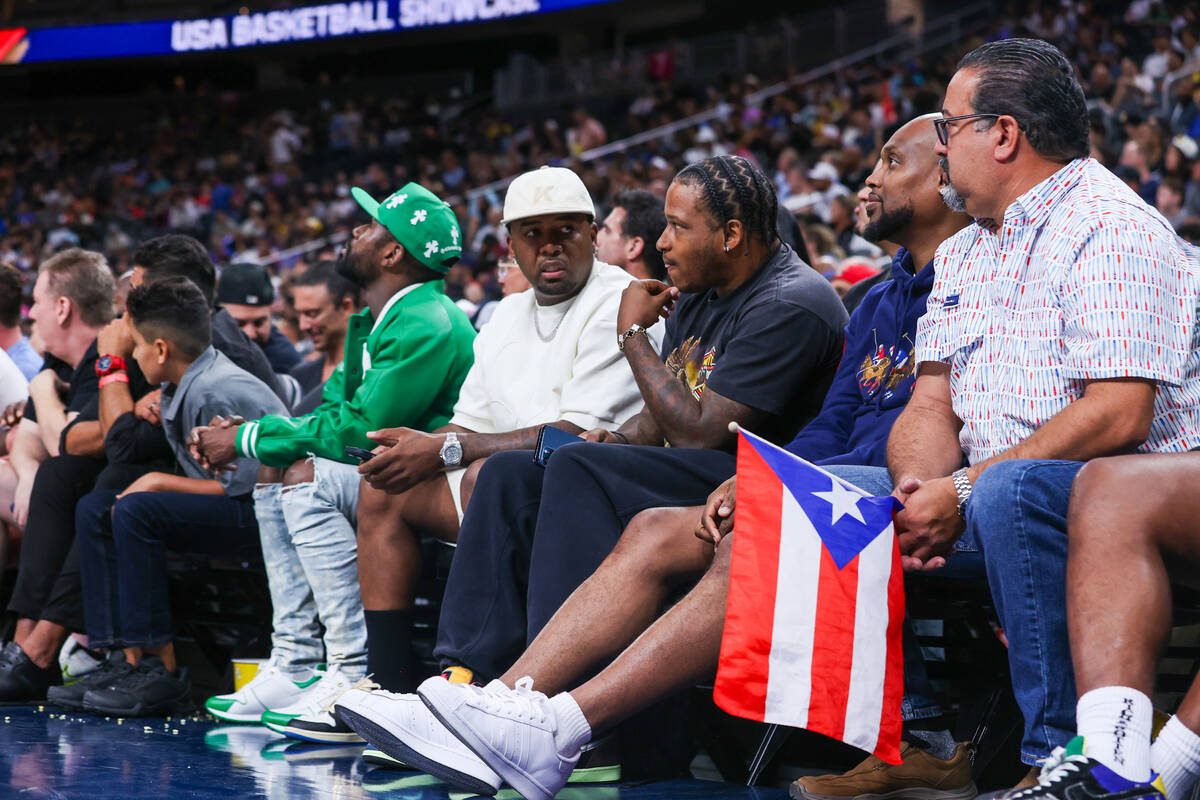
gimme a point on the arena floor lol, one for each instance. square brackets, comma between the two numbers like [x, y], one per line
[46, 754]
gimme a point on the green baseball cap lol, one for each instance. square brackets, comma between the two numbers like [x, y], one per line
[420, 221]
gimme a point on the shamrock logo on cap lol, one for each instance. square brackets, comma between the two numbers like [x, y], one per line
[454, 234]
[430, 247]
[395, 201]
[419, 216]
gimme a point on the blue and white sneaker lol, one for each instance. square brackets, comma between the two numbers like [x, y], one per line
[1070, 775]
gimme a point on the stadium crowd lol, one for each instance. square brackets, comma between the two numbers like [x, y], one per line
[965, 282]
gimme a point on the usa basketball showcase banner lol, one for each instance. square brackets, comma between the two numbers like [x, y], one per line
[816, 602]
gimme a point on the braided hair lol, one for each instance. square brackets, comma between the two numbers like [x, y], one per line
[733, 188]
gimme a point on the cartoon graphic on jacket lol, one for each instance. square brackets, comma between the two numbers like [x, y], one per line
[875, 378]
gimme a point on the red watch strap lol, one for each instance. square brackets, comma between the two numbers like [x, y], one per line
[115, 363]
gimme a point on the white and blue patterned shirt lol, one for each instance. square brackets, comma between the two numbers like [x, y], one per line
[1083, 281]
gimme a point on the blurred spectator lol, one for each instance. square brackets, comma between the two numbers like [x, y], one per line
[245, 291]
[629, 236]
[14, 343]
[324, 301]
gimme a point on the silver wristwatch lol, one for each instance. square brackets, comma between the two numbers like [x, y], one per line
[451, 451]
[622, 338]
[962, 486]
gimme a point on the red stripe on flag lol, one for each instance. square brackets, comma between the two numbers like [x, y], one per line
[742, 672]
[833, 646]
[888, 745]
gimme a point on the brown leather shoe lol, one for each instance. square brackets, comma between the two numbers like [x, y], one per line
[920, 777]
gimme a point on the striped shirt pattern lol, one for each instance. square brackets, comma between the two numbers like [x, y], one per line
[1082, 282]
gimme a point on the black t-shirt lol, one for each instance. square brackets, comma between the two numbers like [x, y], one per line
[83, 385]
[773, 343]
[308, 375]
[280, 352]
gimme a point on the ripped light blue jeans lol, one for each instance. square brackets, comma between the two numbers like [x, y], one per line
[310, 549]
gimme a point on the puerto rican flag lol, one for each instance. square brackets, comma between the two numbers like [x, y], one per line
[816, 602]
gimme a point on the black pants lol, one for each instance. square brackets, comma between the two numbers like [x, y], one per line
[531, 536]
[48, 584]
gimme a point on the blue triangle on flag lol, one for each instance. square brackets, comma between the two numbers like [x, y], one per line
[844, 538]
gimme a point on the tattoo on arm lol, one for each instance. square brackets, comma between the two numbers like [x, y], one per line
[683, 420]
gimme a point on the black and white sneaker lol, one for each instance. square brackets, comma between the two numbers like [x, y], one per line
[1070, 775]
[111, 670]
[148, 690]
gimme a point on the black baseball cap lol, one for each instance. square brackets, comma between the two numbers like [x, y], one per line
[245, 285]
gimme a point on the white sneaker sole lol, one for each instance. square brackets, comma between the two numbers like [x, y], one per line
[454, 774]
[440, 694]
[228, 717]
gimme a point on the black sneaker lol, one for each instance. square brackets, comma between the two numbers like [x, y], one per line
[111, 670]
[21, 680]
[148, 690]
[1071, 775]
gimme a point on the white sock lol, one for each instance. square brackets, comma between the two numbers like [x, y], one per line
[1115, 722]
[1175, 755]
[573, 728]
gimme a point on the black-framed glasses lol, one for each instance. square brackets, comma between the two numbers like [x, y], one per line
[943, 134]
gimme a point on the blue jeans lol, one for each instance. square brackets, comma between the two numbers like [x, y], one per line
[1017, 520]
[1018, 513]
[919, 701]
[122, 556]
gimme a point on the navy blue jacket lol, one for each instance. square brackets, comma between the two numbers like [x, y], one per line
[875, 377]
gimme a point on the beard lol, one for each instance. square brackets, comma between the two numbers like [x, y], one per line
[950, 195]
[350, 266]
[887, 224]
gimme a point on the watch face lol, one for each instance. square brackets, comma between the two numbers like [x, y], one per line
[104, 363]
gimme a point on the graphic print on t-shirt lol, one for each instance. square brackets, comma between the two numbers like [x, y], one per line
[690, 367]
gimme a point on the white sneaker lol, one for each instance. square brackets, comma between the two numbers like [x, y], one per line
[402, 726]
[270, 689]
[76, 661]
[310, 718]
[532, 741]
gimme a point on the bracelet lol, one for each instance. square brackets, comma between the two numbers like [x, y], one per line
[962, 487]
[624, 438]
[634, 330]
[114, 377]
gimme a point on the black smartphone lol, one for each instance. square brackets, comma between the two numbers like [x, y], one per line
[550, 439]
[359, 453]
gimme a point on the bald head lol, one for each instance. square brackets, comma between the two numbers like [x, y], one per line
[903, 197]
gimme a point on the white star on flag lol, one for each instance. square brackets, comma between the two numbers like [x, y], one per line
[395, 200]
[843, 500]
[431, 248]
[419, 216]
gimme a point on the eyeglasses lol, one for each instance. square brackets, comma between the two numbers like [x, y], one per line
[940, 125]
[503, 268]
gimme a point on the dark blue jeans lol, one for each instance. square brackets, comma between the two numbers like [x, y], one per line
[1017, 519]
[122, 555]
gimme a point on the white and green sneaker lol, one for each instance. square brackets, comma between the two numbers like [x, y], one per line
[270, 689]
[76, 661]
[310, 717]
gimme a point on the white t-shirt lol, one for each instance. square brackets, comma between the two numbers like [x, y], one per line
[579, 376]
[13, 386]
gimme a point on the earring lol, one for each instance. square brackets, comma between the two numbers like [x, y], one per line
[726, 248]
